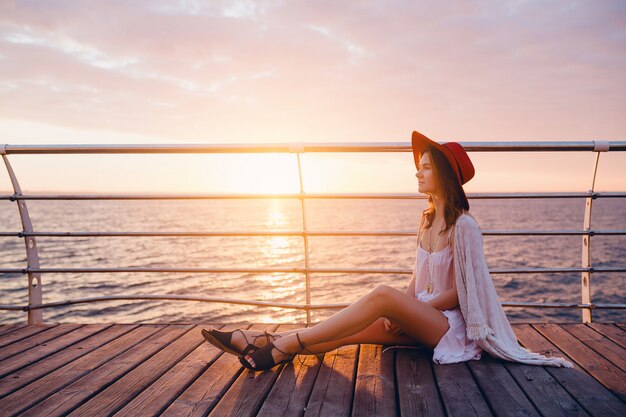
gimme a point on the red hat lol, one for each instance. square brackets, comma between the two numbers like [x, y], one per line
[454, 152]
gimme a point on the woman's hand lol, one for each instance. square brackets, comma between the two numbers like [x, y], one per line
[391, 327]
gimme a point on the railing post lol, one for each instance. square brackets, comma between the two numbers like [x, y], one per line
[585, 278]
[32, 254]
[299, 148]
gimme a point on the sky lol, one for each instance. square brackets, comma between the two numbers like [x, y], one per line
[183, 72]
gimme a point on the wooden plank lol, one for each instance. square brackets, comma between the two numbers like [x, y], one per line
[417, 390]
[8, 328]
[503, 395]
[293, 388]
[116, 396]
[159, 395]
[246, 394]
[23, 333]
[46, 386]
[184, 384]
[48, 348]
[333, 390]
[596, 365]
[35, 340]
[544, 391]
[589, 393]
[374, 392]
[613, 332]
[291, 391]
[39, 368]
[87, 392]
[202, 395]
[603, 345]
[459, 392]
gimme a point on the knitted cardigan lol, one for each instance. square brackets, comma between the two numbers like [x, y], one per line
[485, 320]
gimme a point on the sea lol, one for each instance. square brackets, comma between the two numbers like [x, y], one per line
[287, 251]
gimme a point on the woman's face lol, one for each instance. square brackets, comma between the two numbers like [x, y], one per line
[427, 183]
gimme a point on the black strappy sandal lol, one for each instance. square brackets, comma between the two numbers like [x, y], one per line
[264, 360]
[223, 341]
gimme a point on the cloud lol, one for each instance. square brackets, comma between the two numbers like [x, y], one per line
[237, 9]
[335, 70]
[82, 52]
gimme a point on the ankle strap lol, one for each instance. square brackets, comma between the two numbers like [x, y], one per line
[268, 337]
[302, 346]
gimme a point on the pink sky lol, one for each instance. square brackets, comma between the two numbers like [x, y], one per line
[316, 71]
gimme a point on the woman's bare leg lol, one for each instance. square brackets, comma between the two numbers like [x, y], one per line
[375, 333]
[419, 321]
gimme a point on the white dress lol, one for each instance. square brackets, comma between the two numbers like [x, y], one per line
[454, 346]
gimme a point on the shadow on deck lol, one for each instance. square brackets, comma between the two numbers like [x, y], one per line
[145, 370]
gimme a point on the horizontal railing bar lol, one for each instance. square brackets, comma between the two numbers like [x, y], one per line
[592, 306]
[168, 297]
[381, 233]
[553, 232]
[296, 270]
[165, 234]
[203, 270]
[165, 297]
[546, 195]
[510, 304]
[13, 308]
[490, 146]
[326, 196]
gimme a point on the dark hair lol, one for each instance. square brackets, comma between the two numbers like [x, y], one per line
[454, 198]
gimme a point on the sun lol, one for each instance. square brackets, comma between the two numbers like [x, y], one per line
[264, 173]
[274, 174]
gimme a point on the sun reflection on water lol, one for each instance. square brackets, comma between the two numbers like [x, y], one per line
[280, 251]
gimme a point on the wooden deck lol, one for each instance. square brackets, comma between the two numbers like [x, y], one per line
[145, 370]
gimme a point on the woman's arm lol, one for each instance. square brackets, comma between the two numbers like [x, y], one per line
[411, 289]
[446, 300]
[391, 327]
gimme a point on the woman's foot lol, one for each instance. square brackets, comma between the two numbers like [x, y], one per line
[238, 342]
[256, 338]
[280, 351]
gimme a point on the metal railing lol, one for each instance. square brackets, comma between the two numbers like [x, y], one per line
[34, 271]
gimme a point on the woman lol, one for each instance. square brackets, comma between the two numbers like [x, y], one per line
[450, 305]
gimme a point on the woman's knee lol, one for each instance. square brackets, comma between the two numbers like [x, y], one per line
[383, 293]
[379, 290]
